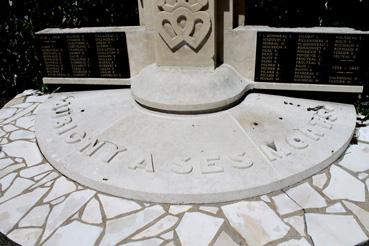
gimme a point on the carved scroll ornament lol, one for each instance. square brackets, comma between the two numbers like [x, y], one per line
[183, 23]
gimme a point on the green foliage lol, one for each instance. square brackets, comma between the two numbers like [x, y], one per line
[20, 19]
[20, 66]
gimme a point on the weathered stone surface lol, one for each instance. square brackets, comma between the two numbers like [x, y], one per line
[344, 186]
[14, 209]
[178, 209]
[224, 240]
[117, 153]
[75, 233]
[36, 217]
[197, 225]
[26, 150]
[305, 196]
[360, 213]
[35, 170]
[7, 181]
[256, 222]
[26, 236]
[285, 205]
[159, 227]
[356, 158]
[61, 187]
[21, 134]
[295, 242]
[19, 185]
[336, 208]
[92, 213]
[298, 223]
[334, 230]
[130, 223]
[61, 212]
[320, 180]
[114, 206]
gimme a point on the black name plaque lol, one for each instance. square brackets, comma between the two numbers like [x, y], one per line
[314, 58]
[85, 55]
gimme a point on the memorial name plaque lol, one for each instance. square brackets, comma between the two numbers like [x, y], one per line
[85, 55]
[315, 58]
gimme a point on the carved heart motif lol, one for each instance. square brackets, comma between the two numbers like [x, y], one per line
[179, 27]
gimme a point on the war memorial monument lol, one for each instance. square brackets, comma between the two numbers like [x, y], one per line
[190, 136]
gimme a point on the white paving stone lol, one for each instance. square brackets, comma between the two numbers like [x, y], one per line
[364, 134]
[5, 163]
[35, 170]
[61, 187]
[36, 217]
[37, 99]
[22, 105]
[179, 209]
[362, 176]
[114, 206]
[266, 199]
[75, 233]
[159, 227]
[212, 210]
[7, 181]
[168, 235]
[256, 222]
[46, 179]
[336, 208]
[6, 113]
[305, 196]
[197, 225]
[356, 158]
[25, 122]
[2, 133]
[10, 128]
[4, 141]
[21, 134]
[10, 169]
[149, 242]
[344, 186]
[334, 230]
[26, 236]
[92, 213]
[2, 154]
[131, 224]
[360, 213]
[298, 223]
[26, 150]
[284, 204]
[19, 185]
[224, 240]
[14, 209]
[40, 176]
[58, 200]
[320, 180]
[295, 242]
[60, 213]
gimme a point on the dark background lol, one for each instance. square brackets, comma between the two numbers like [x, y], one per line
[20, 19]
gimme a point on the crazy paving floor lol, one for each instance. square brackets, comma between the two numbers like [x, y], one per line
[38, 206]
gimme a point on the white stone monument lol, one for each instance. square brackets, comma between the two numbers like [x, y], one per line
[185, 132]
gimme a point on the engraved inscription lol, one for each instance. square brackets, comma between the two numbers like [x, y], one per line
[211, 165]
[317, 58]
[85, 55]
[241, 161]
[300, 139]
[182, 166]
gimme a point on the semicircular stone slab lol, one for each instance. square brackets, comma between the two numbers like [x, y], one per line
[106, 141]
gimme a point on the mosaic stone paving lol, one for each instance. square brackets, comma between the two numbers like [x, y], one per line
[38, 206]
